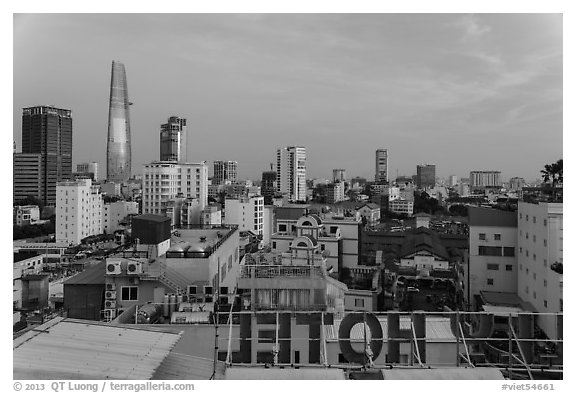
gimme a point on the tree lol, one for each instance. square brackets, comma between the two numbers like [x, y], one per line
[553, 172]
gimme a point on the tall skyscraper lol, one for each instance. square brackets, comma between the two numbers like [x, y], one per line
[46, 156]
[173, 140]
[118, 155]
[225, 171]
[426, 176]
[381, 166]
[267, 188]
[291, 172]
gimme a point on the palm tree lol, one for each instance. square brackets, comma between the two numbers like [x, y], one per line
[553, 172]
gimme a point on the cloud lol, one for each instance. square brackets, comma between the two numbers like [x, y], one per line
[473, 27]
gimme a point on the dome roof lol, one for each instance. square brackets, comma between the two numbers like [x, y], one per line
[179, 247]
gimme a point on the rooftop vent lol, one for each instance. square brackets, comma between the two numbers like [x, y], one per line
[202, 239]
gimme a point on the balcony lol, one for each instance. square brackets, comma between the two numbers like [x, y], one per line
[280, 271]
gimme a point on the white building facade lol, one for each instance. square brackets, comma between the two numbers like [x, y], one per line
[291, 172]
[247, 213]
[79, 207]
[89, 167]
[163, 182]
[115, 212]
[540, 249]
[493, 263]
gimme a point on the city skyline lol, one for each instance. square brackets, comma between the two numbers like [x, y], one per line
[426, 87]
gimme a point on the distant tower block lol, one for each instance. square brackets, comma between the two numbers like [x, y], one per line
[118, 155]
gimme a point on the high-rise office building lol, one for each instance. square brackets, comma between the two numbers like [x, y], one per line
[88, 167]
[46, 156]
[173, 141]
[381, 166]
[225, 171]
[485, 179]
[426, 176]
[291, 172]
[338, 175]
[267, 188]
[118, 154]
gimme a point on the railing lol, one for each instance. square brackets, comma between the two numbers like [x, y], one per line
[280, 271]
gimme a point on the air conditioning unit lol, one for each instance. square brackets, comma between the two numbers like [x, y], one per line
[134, 267]
[113, 267]
[110, 304]
[110, 295]
[109, 315]
[110, 286]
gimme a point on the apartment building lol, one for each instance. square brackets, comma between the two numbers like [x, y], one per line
[79, 208]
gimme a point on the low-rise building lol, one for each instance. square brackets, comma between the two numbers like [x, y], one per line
[247, 213]
[370, 212]
[26, 215]
[116, 213]
[296, 280]
[212, 215]
[334, 192]
[401, 206]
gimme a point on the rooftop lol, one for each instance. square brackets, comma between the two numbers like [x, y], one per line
[58, 348]
[486, 217]
[423, 239]
[94, 275]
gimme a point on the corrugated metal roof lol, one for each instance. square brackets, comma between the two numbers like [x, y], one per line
[77, 349]
[261, 373]
[459, 373]
[437, 329]
[180, 367]
[94, 275]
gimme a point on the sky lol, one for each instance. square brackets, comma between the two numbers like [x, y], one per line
[461, 91]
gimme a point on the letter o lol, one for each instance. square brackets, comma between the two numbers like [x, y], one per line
[376, 334]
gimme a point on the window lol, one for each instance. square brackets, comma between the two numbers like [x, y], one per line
[274, 245]
[508, 251]
[493, 266]
[545, 243]
[545, 283]
[358, 302]
[546, 303]
[490, 281]
[534, 275]
[490, 251]
[545, 222]
[192, 289]
[129, 293]
[322, 247]
[482, 236]
[282, 227]
[534, 219]
[208, 290]
[534, 294]
[545, 262]
[497, 236]
[266, 336]
[508, 268]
